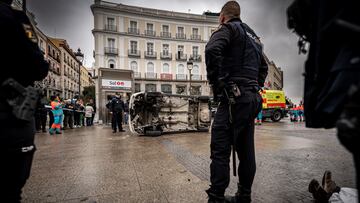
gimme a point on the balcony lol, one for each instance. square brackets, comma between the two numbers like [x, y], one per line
[196, 77]
[111, 51]
[180, 36]
[181, 57]
[134, 53]
[151, 33]
[195, 37]
[196, 57]
[134, 31]
[150, 75]
[150, 54]
[166, 76]
[137, 75]
[181, 76]
[166, 55]
[111, 28]
[165, 34]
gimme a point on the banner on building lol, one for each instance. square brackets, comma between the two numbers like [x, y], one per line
[116, 84]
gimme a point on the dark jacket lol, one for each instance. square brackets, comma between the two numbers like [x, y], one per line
[22, 60]
[117, 105]
[330, 69]
[233, 53]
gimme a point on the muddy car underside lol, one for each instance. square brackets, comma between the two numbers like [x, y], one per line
[155, 113]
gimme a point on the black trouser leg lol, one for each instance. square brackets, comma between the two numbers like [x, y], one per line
[246, 154]
[220, 146]
[43, 121]
[113, 121]
[14, 173]
[119, 120]
[37, 121]
[357, 168]
[51, 117]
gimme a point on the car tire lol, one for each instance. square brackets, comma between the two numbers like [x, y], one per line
[276, 116]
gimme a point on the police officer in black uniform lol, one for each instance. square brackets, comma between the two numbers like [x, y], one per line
[117, 108]
[21, 60]
[236, 69]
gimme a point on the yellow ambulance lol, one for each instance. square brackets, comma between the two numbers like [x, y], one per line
[274, 104]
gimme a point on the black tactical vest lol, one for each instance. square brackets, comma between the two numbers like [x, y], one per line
[242, 59]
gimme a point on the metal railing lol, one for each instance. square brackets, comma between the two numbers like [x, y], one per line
[166, 76]
[150, 33]
[133, 31]
[196, 57]
[181, 76]
[196, 77]
[195, 37]
[111, 51]
[181, 57]
[150, 75]
[110, 27]
[180, 36]
[166, 55]
[165, 34]
[133, 53]
[150, 54]
[137, 75]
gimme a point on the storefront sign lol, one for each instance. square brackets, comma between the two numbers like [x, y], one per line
[116, 84]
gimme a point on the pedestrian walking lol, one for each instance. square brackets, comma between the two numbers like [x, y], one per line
[56, 108]
[88, 114]
[17, 146]
[259, 118]
[236, 70]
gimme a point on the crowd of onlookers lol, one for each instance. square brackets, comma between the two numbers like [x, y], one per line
[60, 114]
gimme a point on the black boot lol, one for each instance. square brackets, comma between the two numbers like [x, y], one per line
[243, 195]
[215, 198]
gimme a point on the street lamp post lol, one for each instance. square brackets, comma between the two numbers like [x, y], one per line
[80, 58]
[190, 65]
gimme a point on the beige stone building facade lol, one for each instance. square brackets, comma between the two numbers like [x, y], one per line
[275, 78]
[154, 44]
[85, 78]
[70, 69]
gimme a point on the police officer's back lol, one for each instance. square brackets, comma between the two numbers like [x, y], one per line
[21, 60]
[236, 70]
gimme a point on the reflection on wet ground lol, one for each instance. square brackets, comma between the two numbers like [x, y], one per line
[93, 164]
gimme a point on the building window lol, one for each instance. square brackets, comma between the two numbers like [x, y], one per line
[150, 27]
[195, 31]
[165, 28]
[133, 25]
[111, 63]
[111, 43]
[195, 51]
[150, 67]
[137, 87]
[111, 21]
[181, 69]
[195, 90]
[181, 30]
[134, 66]
[181, 89]
[150, 87]
[150, 48]
[166, 68]
[133, 47]
[165, 49]
[166, 88]
[181, 49]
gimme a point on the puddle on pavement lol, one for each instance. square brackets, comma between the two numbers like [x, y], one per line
[271, 142]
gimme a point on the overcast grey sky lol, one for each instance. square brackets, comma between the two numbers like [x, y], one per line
[73, 21]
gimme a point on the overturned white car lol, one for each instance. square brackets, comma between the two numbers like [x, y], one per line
[155, 113]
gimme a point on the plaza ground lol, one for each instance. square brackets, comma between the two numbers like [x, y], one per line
[94, 165]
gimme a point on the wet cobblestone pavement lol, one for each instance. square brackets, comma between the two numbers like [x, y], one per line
[95, 165]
